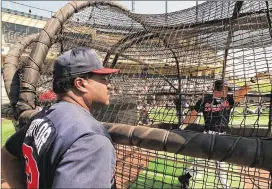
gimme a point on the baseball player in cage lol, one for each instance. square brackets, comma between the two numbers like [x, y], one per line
[216, 109]
[65, 146]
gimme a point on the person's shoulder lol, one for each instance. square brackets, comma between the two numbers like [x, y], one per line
[64, 110]
[230, 96]
[66, 107]
[208, 97]
[73, 120]
[41, 130]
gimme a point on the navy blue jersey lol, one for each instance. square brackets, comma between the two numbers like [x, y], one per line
[216, 111]
[65, 147]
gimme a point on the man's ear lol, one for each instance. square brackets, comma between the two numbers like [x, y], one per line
[80, 84]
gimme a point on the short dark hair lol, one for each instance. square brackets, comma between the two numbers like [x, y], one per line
[64, 84]
[219, 84]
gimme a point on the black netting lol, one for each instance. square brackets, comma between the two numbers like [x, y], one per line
[168, 62]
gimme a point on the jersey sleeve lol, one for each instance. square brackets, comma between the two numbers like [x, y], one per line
[15, 142]
[88, 163]
[198, 105]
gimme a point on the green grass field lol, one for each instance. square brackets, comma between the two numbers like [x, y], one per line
[7, 130]
[163, 173]
[161, 114]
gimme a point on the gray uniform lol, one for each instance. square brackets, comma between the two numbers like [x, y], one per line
[65, 147]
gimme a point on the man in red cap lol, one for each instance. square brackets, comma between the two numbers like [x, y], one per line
[65, 146]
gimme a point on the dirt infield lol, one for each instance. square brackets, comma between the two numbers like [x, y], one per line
[130, 164]
[257, 179]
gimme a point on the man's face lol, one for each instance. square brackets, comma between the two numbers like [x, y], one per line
[98, 90]
[223, 92]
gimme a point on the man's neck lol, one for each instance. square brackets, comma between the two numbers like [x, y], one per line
[218, 94]
[73, 100]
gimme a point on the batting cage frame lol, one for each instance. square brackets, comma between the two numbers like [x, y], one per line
[165, 51]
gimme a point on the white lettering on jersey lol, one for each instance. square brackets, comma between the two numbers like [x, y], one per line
[39, 132]
[34, 124]
[42, 136]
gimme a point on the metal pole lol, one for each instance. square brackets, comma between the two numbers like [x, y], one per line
[133, 6]
[37, 9]
[132, 10]
[166, 11]
[166, 8]
[235, 14]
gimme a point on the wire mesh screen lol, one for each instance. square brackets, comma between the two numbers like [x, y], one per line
[140, 168]
[168, 62]
[44, 93]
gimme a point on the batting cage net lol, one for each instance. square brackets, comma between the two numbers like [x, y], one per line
[168, 63]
